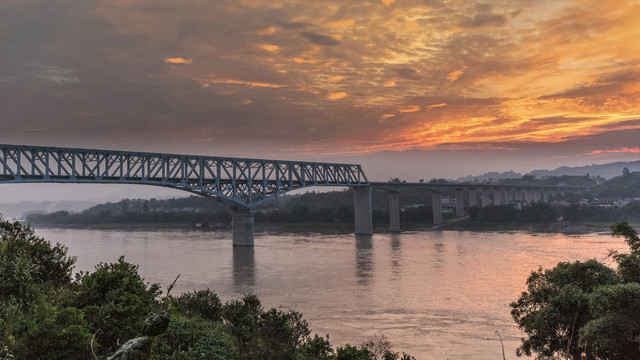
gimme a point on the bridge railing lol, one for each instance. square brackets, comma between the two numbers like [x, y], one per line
[247, 182]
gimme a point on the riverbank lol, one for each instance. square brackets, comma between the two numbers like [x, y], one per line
[347, 228]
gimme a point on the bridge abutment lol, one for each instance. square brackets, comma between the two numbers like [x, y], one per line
[362, 210]
[242, 226]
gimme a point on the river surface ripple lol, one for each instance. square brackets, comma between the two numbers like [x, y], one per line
[435, 294]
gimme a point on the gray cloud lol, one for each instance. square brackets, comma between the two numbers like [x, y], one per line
[321, 39]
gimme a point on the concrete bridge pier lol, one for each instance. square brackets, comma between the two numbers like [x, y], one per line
[485, 198]
[459, 203]
[437, 207]
[473, 197]
[242, 226]
[362, 210]
[394, 211]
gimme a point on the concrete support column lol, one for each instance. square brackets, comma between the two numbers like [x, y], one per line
[502, 193]
[497, 199]
[437, 207]
[394, 211]
[362, 210]
[242, 226]
[473, 197]
[459, 203]
[545, 195]
[517, 192]
[485, 197]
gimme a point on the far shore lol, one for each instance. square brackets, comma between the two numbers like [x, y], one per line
[346, 228]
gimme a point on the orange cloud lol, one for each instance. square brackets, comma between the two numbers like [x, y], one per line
[271, 48]
[454, 75]
[388, 115]
[337, 95]
[268, 31]
[178, 60]
[388, 2]
[247, 83]
[341, 23]
[412, 108]
[634, 150]
[437, 105]
[390, 83]
[305, 61]
[336, 78]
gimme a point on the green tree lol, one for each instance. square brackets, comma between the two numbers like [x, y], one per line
[32, 273]
[259, 334]
[614, 334]
[115, 300]
[349, 352]
[556, 306]
[28, 261]
[204, 304]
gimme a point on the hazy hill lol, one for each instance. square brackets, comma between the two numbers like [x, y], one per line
[20, 209]
[607, 171]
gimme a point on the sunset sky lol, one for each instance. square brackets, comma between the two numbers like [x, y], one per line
[410, 89]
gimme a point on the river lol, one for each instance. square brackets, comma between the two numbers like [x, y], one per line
[434, 294]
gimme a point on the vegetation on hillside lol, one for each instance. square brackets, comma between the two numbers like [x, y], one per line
[113, 314]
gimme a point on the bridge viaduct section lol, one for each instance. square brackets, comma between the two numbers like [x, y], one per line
[245, 183]
[478, 195]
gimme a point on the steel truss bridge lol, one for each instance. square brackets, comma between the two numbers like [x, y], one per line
[245, 182]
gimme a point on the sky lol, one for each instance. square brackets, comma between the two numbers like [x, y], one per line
[409, 89]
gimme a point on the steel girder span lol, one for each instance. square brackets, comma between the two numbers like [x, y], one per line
[245, 182]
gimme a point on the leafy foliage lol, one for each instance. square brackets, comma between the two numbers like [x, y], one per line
[29, 264]
[115, 300]
[584, 305]
[556, 305]
[615, 332]
[204, 304]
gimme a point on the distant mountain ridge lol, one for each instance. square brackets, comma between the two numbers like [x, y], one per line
[607, 171]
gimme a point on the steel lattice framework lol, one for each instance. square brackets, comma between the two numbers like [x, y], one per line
[246, 182]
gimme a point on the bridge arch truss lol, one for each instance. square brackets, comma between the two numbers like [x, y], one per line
[245, 182]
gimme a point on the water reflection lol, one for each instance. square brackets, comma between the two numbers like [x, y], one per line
[396, 256]
[244, 273]
[364, 259]
[439, 255]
